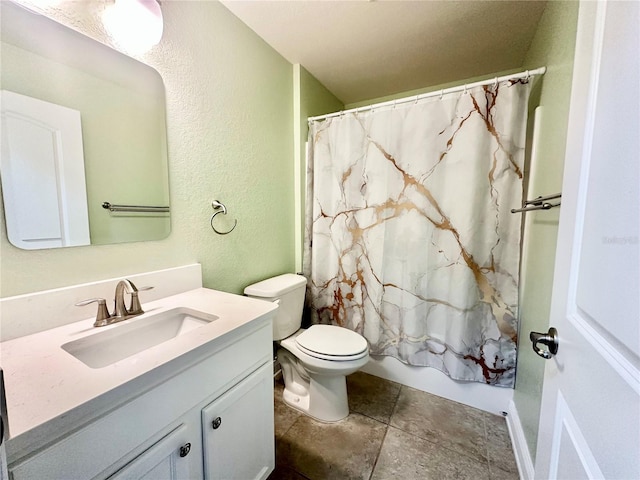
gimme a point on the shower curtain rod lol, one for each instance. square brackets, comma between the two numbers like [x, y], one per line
[416, 98]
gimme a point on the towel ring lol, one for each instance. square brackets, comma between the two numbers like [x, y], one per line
[220, 208]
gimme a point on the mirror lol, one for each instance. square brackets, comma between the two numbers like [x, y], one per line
[82, 125]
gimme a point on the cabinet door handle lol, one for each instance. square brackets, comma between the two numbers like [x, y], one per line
[216, 423]
[185, 449]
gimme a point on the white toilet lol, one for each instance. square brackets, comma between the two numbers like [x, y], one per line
[314, 361]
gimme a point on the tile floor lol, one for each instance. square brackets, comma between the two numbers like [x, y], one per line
[393, 432]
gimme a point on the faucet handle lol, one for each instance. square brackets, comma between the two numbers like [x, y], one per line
[133, 289]
[135, 308]
[103, 314]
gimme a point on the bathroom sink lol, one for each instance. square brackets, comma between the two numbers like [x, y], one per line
[127, 339]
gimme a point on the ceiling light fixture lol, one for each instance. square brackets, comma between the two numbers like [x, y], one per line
[134, 25]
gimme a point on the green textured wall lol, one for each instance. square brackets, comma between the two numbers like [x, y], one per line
[315, 99]
[553, 46]
[311, 99]
[230, 137]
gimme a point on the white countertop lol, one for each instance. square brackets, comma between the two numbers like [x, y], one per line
[44, 382]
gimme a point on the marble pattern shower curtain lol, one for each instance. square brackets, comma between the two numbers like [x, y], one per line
[409, 236]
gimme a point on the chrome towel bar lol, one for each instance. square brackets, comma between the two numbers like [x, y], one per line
[539, 203]
[133, 208]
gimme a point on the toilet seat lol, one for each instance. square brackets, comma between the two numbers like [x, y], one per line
[329, 342]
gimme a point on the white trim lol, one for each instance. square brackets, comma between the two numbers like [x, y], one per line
[519, 443]
[299, 186]
[438, 93]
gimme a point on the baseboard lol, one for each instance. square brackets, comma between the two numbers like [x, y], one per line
[519, 442]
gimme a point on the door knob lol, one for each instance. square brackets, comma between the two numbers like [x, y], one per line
[550, 339]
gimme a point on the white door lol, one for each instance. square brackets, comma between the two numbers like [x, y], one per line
[590, 414]
[43, 180]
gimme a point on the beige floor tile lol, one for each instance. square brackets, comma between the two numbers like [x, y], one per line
[497, 474]
[372, 396]
[405, 456]
[446, 423]
[429, 438]
[499, 449]
[324, 451]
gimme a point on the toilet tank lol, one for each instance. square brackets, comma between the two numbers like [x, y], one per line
[288, 290]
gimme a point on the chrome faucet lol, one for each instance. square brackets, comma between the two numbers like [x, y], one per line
[120, 310]
[127, 286]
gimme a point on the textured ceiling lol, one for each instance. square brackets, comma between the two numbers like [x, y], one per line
[367, 49]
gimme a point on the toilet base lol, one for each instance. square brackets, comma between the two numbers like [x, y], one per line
[323, 397]
[321, 402]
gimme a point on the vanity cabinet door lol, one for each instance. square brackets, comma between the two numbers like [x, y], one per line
[174, 457]
[238, 432]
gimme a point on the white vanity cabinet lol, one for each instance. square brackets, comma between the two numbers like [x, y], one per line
[237, 439]
[164, 430]
[238, 430]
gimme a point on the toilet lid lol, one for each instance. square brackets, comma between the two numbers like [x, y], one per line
[332, 341]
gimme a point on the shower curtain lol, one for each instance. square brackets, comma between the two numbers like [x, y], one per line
[409, 236]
